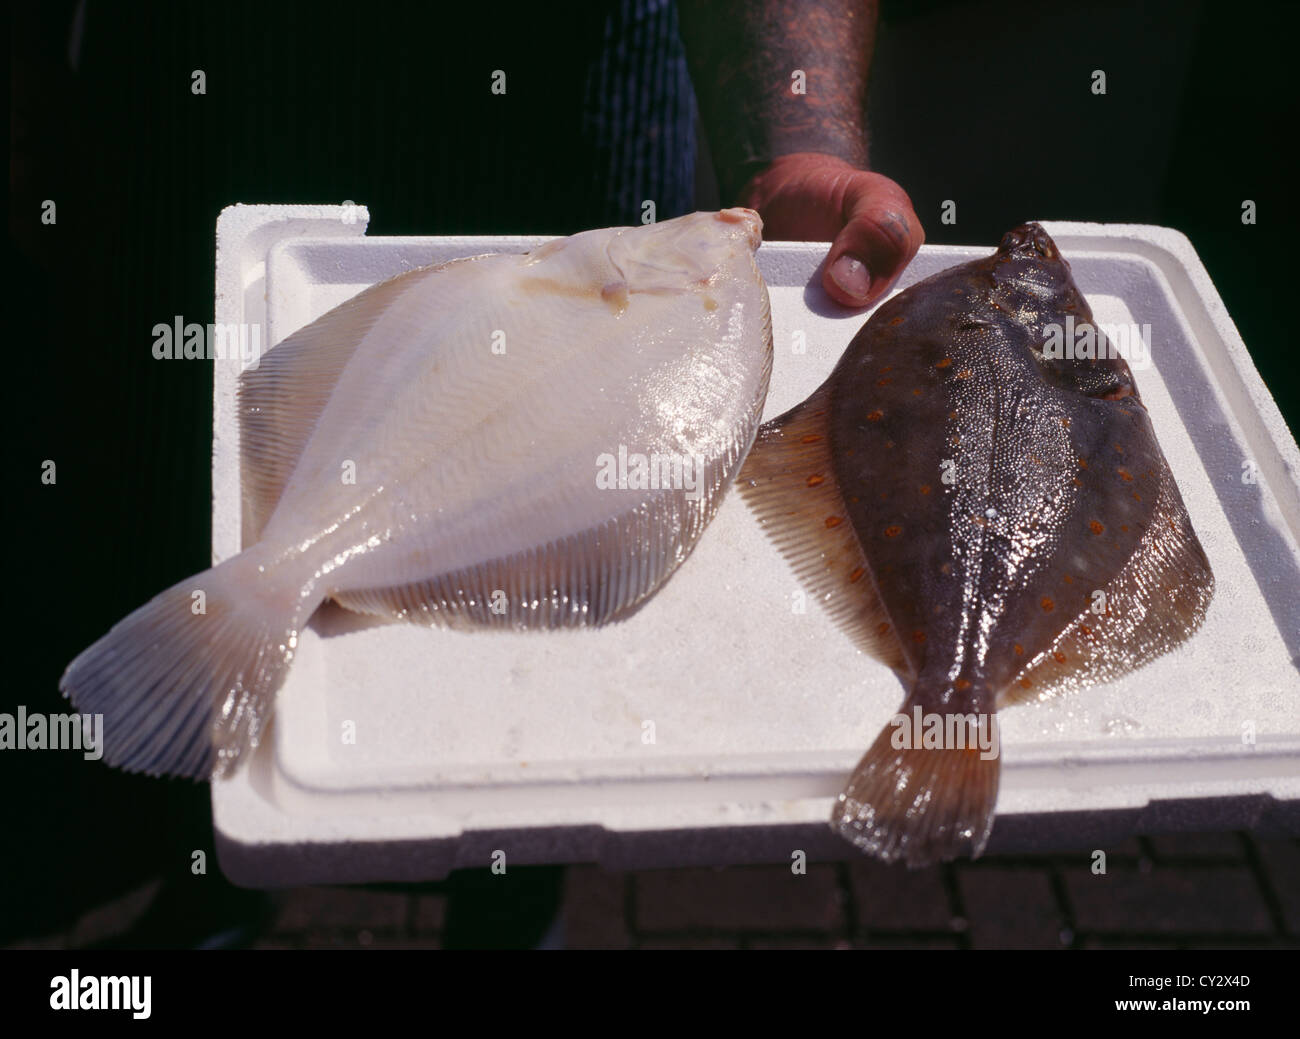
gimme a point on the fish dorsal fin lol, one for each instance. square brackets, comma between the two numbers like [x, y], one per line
[789, 481]
[1155, 602]
[281, 399]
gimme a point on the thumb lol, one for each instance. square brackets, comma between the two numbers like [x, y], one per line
[880, 236]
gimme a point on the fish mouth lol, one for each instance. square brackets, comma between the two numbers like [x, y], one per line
[753, 223]
[689, 250]
[1029, 238]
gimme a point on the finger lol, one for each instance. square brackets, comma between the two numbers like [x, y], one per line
[880, 236]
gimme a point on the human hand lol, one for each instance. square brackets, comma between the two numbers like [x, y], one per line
[867, 218]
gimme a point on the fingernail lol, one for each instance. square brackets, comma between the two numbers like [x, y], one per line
[850, 274]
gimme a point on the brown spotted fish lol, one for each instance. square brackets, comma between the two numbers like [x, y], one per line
[987, 513]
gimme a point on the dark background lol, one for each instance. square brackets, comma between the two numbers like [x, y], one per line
[984, 103]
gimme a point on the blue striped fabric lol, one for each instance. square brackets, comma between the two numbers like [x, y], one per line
[639, 115]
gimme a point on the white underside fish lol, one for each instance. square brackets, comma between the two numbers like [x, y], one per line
[522, 441]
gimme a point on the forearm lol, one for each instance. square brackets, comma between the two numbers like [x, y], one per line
[743, 55]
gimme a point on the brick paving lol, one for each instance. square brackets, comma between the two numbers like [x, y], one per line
[738, 900]
[1012, 906]
[1215, 891]
[596, 909]
[886, 899]
[1279, 870]
[1172, 901]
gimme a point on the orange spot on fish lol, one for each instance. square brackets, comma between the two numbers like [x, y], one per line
[955, 440]
[883, 382]
[811, 438]
[1083, 463]
[965, 373]
[1059, 657]
[883, 628]
[961, 684]
[897, 321]
[943, 363]
[1065, 422]
[916, 393]
[834, 521]
[1095, 527]
[1076, 481]
[1125, 474]
[1020, 650]
[925, 488]
[1136, 496]
[918, 636]
[856, 575]
[893, 531]
[816, 479]
[1085, 630]
[1026, 683]
[875, 416]
[1068, 579]
[1047, 605]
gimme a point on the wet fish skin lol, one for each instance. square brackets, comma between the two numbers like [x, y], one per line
[392, 461]
[957, 499]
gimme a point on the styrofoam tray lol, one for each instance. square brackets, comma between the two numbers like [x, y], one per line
[718, 722]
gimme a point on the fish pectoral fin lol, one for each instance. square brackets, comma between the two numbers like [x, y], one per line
[281, 399]
[1156, 602]
[789, 481]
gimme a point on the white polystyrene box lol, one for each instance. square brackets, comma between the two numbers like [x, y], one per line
[537, 744]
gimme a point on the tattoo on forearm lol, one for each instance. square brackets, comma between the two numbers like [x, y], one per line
[743, 56]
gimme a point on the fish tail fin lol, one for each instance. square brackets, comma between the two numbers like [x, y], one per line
[185, 682]
[921, 803]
